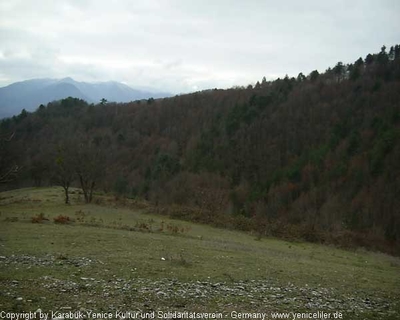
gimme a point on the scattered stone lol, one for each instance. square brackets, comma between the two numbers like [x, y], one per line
[46, 261]
[257, 293]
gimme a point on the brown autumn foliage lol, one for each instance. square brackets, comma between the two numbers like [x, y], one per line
[61, 219]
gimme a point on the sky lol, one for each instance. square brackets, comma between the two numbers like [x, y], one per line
[181, 46]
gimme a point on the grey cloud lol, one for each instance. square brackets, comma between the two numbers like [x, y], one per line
[182, 46]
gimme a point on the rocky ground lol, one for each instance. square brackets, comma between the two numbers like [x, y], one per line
[110, 292]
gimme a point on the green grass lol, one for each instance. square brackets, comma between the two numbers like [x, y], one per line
[120, 245]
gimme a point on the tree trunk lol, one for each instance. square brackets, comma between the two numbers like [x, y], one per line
[91, 192]
[84, 189]
[66, 195]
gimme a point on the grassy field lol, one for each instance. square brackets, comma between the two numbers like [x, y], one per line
[121, 257]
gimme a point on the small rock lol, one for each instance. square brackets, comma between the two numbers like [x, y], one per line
[19, 299]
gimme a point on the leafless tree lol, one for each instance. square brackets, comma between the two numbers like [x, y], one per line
[89, 166]
[64, 170]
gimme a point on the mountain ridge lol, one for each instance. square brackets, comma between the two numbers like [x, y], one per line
[29, 94]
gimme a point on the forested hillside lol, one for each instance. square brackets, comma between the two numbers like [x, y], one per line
[314, 157]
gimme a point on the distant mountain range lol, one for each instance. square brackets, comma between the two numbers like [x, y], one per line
[30, 94]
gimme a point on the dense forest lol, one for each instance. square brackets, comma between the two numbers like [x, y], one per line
[315, 157]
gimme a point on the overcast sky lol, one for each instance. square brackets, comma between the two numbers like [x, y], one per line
[188, 45]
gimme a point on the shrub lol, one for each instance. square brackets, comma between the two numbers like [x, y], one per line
[80, 216]
[39, 218]
[175, 229]
[143, 226]
[62, 219]
[36, 219]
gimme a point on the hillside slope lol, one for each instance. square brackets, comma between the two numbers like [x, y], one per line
[313, 157]
[116, 255]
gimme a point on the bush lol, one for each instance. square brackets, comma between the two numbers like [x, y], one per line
[143, 226]
[39, 218]
[62, 219]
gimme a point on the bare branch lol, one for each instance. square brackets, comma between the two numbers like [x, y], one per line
[7, 138]
[10, 174]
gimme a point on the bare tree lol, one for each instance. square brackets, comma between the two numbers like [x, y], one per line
[64, 170]
[89, 166]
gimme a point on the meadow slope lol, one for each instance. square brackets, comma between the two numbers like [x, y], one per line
[114, 256]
